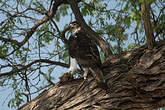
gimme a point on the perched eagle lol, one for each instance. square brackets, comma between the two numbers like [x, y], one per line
[83, 50]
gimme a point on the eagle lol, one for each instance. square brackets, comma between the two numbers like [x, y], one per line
[83, 51]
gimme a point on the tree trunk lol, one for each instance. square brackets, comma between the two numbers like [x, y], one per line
[136, 81]
[145, 7]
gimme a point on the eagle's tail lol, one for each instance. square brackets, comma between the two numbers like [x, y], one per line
[98, 75]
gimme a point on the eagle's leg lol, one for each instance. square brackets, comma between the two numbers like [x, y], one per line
[73, 65]
[86, 73]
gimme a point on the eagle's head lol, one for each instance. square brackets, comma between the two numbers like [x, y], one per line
[74, 27]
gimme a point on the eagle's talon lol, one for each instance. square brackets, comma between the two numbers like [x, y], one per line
[85, 77]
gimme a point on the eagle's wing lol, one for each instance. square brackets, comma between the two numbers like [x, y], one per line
[88, 56]
[73, 46]
[88, 50]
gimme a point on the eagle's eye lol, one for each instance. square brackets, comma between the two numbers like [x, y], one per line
[72, 25]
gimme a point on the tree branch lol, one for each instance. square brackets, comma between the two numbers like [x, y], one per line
[102, 43]
[10, 40]
[33, 62]
[145, 7]
[49, 16]
[136, 81]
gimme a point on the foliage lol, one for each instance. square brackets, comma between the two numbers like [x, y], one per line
[118, 22]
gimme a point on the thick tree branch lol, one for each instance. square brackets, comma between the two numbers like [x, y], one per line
[145, 7]
[33, 62]
[136, 81]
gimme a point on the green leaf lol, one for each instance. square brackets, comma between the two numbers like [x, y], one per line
[57, 17]
[26, 49]
[65, 54]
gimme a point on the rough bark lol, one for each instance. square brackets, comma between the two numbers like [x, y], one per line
[136, 81]
[145, 7]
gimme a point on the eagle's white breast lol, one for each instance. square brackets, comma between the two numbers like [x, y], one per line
[73, 65]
